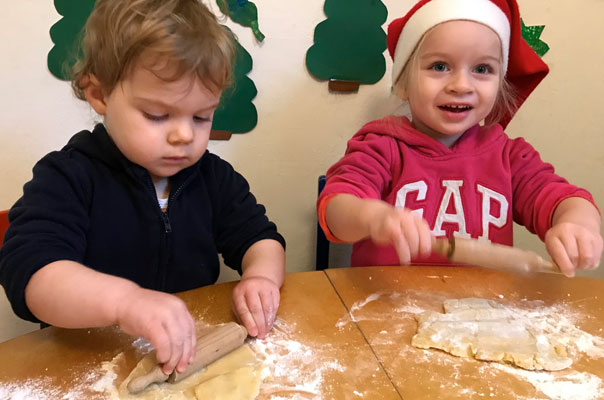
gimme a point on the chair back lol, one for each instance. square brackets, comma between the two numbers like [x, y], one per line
[3, 225]
[322, 254]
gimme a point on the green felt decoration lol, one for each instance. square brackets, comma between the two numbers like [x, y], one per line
[65, 35]
[243, 12]
[236, 113]
[350, 43]
[532, 35]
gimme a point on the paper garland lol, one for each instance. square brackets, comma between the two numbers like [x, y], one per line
[243, 12]
[532, 35]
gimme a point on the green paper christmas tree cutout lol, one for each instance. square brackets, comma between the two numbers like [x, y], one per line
[243, 12]
[532, 35]
[236, 113]
[65, 35]
[349, 44]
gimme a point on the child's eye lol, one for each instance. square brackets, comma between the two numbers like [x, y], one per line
[154, 117]
[201, 119]
[483, 69]
[439, 67]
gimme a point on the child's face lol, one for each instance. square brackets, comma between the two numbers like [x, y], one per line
[161, 126]
[455, 79]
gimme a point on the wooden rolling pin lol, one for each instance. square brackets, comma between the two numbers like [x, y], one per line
[490, 255]
[220, 341]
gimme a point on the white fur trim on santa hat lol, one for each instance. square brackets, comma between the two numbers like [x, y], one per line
[438, 11]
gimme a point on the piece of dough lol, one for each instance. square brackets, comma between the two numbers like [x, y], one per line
[241, 365]
[221, 387]
[486, 330]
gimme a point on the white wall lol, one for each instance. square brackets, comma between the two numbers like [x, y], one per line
[302, 129]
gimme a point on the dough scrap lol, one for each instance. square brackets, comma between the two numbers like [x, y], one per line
[241, 369]
[221, 387]
[486, 330]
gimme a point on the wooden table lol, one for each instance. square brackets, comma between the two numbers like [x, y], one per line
[351, 329]
[390, 296]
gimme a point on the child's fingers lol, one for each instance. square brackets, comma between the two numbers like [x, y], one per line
[175, 356]
[178, 331]
[558, 253]
[402, 249]
[411, 234]
[572, 248]
[188, 351]
[590, 251]
[585, 256]
[266, 299]
[425, 237]
[276, 295]
[254, 304]
[160, 340]
[245, 316]
[597, 246]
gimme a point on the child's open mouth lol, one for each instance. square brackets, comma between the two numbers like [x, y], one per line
[455, 108]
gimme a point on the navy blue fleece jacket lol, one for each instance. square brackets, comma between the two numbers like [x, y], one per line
[89, 204]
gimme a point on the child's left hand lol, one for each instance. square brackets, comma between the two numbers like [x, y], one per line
[255, 302]
[573, 247]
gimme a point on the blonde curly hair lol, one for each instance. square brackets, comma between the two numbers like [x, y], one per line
[180, 37]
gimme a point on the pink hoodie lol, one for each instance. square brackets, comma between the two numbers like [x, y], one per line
[476, 188]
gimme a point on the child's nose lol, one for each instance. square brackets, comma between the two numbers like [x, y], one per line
[459, 83]
[180, 133]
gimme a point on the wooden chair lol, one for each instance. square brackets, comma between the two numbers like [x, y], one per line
[3, 225]
[322, 254]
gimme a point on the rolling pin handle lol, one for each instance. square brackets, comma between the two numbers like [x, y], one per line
[444, 246]
[140, 383]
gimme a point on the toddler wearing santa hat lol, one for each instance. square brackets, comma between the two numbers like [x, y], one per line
[464, 69]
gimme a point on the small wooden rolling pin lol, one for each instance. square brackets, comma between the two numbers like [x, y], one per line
[490, 255]
[220, 341]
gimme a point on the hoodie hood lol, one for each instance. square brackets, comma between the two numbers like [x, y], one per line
[477, 138]
[99, 145]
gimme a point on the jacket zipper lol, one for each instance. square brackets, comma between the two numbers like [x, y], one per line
[167, 229]
[164, 217]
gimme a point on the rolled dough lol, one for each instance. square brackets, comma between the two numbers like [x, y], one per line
[238, 374]
[486, 330]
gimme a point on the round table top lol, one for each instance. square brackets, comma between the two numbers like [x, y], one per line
[339, 334]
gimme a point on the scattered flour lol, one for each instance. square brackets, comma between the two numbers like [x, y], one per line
[295, 370]
[560, 319]
[570, 386]
[43, 389]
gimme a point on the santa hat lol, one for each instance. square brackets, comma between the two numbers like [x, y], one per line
[523, 67]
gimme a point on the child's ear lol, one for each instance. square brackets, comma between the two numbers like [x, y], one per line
[400, 91]
[94, 94]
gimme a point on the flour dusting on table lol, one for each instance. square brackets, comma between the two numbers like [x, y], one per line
[561, 386]
[296, 370]
[43, 388]
[398, 326]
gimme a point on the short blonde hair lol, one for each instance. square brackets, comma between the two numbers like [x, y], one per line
[181, 34]
[505, 103]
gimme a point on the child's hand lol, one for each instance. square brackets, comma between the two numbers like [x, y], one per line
[407, 232]
[164, 320]
[573, 247]
[255, 302]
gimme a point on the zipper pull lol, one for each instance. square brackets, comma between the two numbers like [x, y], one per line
[167, 226]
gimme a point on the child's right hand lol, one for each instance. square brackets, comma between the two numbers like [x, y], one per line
[407, 232]
[164, 320]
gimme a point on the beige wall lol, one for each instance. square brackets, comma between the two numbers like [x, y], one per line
[302, 129]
